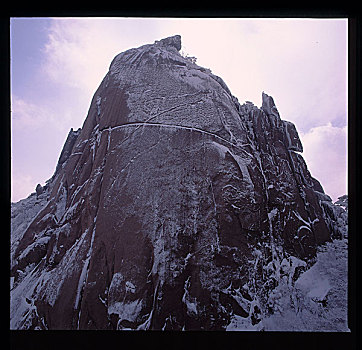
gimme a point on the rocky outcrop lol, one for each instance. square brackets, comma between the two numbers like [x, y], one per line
[343, 202]
[67, 148]
[174, 41]
[336, 215]
[172, 208]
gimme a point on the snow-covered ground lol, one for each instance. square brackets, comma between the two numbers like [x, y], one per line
[316, 302]
[318, 299]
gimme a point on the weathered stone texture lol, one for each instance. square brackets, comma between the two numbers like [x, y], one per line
[167, 206]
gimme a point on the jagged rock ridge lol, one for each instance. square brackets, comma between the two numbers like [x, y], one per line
[173, 207]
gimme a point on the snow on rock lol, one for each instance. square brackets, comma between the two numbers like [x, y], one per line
[191, 303]
[342, 202]
[336, 215]
[22, 214]
[317, 301]
[239, 323]
[128, 311]
[177, 208]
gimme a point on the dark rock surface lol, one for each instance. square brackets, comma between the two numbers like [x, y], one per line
[169, 208]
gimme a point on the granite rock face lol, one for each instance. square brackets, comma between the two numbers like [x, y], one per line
[173, 207]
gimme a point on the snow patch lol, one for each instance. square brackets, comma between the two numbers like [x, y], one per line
[314, 285]
[221, 149]
[317, 301]
[272, 213]
[98, 104]
[130, 287]
[238, 323]
[126, 310]
[190, 302]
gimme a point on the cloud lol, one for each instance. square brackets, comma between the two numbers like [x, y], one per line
[29, 116]
[73, 54]
[79, 50]
[20, 185]
[325, 152]
[37, 135]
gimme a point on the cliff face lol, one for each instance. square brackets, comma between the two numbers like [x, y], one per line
[174, 207]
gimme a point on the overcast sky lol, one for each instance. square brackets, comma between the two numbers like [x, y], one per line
[58, 63]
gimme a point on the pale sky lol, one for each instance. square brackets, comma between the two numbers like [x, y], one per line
[58, 63]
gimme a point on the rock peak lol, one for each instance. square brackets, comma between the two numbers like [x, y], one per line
[174, 41]
[223, 188]
[268, 106]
